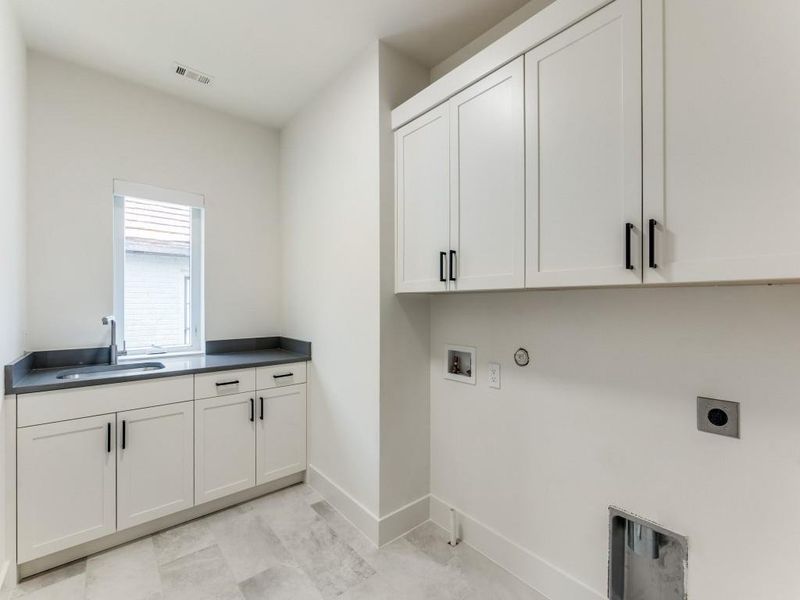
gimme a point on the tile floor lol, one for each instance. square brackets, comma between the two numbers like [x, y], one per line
[290, 545]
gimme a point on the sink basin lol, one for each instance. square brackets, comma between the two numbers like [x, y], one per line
[110, 370]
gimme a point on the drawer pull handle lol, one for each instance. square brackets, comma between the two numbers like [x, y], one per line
[261, 413]
[108, 438]
[283, 375]
[123, 434]
[221, 383]
[252, 410]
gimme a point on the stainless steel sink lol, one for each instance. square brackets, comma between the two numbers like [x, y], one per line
[96, 371]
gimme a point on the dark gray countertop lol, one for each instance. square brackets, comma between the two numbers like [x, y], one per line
[38, 372]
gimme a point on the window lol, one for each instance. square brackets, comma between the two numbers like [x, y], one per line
[158, 293]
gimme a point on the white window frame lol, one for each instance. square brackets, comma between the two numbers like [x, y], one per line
[123, 189]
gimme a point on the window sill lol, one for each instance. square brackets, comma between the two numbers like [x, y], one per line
[157, 355]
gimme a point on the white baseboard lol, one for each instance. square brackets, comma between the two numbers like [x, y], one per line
[403, 520]
[4, 573]
[543, 577]
[355, 512]
[379, 530]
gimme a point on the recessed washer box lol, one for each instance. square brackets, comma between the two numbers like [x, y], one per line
[459, 363]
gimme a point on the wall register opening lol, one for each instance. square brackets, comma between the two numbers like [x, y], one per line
[646, 561]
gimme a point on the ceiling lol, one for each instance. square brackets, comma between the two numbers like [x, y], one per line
[267, 57]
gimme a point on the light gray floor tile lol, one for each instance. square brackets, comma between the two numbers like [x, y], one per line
[285, 510]
[128, 571]
[376, 587]
[48, 578]
[433, 541]
[248, 544]
[287, 545]
[414, 574]
[182, 540]
[72, 588]
[484, 578]
[330, 563]
[346, 531]
[281, 582]
[203, 575]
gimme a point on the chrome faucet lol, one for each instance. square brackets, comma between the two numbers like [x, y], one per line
[110, 320]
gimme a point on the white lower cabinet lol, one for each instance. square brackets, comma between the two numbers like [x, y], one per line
[281, 433]
[65, 484]
[225, 437]
[155, 462]
[81, 478]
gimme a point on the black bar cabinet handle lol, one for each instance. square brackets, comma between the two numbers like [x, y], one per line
[442, 258]
[108, 438]
[221, 383]
[123, 434]
[652, 243]
[452, 268]
[252, 410]
[283, 375]
[628, 231]
[261, 411]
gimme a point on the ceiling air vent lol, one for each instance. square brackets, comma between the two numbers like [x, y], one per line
[192, 74]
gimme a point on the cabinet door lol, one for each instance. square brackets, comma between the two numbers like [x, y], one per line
[422, 169]
[155, 462]
[225, 448]
[583, 121]
[281, 433]
[487, 150]
[65, 479]
[721, 140]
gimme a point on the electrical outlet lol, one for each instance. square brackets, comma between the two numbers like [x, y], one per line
[494, 375]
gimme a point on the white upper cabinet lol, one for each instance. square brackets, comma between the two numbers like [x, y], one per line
[422, 159]
[155, 462]
[584, 161]
[66, 480]
[722, 139]
[487, 174]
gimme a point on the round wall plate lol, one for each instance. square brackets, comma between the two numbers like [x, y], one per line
[521, 357]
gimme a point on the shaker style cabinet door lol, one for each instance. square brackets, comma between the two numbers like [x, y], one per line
[422, 203]
[225, 451]
[280, 433]
[66, 484]
[721, 140]
[155, 462]
[584, 160]
[487, 174]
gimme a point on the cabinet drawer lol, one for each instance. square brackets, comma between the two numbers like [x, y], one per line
[74, 403]
[280, 375]
[224, 383]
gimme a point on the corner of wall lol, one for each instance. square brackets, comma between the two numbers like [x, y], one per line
[405, 337]
[13, 89]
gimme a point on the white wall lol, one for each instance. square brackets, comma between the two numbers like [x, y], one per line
[405, 322]
[87, 128]
[330, 211]
[605, 414]
[12, 219]
[519, 16]
[368, 389]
